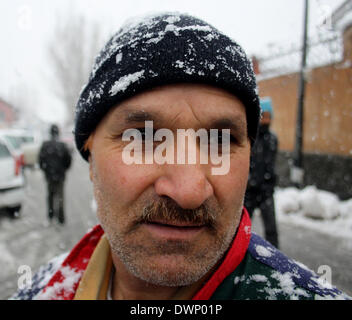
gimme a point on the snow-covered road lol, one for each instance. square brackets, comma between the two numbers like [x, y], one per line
[30, 241]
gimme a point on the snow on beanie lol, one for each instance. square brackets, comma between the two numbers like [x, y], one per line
[162, 49]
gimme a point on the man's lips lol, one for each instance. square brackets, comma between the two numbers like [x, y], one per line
[173, 229]
[181, 224]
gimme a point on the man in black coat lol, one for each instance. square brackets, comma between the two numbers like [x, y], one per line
[262, 176]
[54, 160]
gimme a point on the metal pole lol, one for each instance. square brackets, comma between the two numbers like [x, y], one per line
[297, 172]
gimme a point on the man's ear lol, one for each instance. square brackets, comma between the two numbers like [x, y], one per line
[87, 147]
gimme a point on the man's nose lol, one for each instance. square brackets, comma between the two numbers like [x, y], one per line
[185, 184]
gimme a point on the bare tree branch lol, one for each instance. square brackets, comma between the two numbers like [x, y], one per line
[71, 51]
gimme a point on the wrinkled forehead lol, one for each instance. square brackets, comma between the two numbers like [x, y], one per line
[182, 105]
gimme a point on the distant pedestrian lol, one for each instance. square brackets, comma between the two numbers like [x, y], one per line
[262, 176]
[54, 160]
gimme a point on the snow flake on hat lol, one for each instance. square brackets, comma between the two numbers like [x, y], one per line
[236, 51]
[210, 36]
[123, 83]
[96, 93]
[177, 31]
[211, 66]
[172, 19]
[186, 67]
[179, 64]
[118, 57]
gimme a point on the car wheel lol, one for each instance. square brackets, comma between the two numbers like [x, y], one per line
[15, 212]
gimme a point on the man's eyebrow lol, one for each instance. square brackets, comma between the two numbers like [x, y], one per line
[130, 116]
[140, 116]
[234, 123]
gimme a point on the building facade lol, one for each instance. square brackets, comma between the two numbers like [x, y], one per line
[327, 125]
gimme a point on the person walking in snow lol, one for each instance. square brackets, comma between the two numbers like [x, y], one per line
[54, 160]
[262, 177]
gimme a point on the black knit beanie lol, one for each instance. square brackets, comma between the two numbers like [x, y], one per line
[162, 49]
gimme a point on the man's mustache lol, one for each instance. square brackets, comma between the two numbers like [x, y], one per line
[167, 210]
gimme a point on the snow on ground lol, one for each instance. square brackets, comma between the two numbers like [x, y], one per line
[315, 209]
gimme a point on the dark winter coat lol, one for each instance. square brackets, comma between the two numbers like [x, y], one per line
[54, 160]
[262, 175]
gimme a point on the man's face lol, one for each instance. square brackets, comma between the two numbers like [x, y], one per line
[170, 224]
[266, 118]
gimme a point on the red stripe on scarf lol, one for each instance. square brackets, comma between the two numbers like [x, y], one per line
[232, 259]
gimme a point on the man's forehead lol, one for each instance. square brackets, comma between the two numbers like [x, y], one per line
[136, 116]
[207, 103]
[136, 113]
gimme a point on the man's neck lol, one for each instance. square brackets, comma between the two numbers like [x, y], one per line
[126, 286]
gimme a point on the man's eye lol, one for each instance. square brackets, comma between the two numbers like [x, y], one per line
[144, 135]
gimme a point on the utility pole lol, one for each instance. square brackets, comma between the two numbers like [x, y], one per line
[297, 171]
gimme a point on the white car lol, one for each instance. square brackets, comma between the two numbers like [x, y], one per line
[11, 179]
[25, 144]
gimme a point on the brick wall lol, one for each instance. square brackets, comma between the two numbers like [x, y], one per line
[328, 106]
